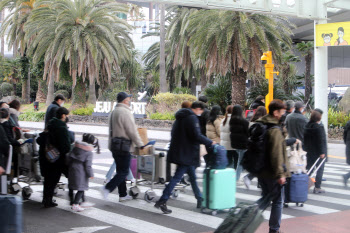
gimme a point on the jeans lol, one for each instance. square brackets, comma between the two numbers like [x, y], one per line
[319, 173]
[113, 168]
[239, 166]
[272, 191]
[180, 171]
[122, 160]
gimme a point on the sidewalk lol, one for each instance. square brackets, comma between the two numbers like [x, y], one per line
[97, 130]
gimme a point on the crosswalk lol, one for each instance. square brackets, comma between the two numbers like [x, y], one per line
[140, 216]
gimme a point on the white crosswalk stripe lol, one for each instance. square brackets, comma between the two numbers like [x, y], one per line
[335, 200]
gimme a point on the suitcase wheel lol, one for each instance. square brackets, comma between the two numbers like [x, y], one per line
[175, 194]
[300, 204]
[27, 192]
[134, 192]
[214, 212]
[149, 196]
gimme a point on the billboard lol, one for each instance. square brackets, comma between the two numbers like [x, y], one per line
[333, 34]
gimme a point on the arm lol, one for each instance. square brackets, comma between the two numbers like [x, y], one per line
[110, 131]
[131, 129]
[10, 137]
[345, 132]
[64, 142]
[193, 130]
[88, 166]
[322, 141]
[5, 141]
[275, 144]
[217, 124]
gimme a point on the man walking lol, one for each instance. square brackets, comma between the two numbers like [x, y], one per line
[275, 172]
[184, 151]
[123, 136]
[296, 122]
[52, 109]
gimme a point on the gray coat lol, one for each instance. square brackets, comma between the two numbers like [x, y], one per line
[295, 124]
[80, 166]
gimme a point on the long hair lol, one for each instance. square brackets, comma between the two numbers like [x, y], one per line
[228, 111]
[260, 112]
[215, 111]
[237, 112]
[91, 139]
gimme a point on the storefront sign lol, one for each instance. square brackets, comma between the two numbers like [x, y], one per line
[333, 34]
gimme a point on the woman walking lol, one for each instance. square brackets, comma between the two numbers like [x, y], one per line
[225, 137]
[315, 144]
[213, 124]
[80, 170]
[239, 136]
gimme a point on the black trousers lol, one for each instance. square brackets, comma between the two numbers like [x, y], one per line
[319, 174]
[51, 180]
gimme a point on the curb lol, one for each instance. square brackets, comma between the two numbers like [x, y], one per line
[335, 141]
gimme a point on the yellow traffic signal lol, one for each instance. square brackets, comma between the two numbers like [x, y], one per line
[266, 59]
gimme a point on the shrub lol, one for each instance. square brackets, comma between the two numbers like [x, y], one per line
[5, 89]
[219, 93]
[337, 118]
[182, 90]
[65, 93]
[32, 116]
[162, 116]
[169, 102]
[83, 111]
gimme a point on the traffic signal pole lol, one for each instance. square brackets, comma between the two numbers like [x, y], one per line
[267, 60]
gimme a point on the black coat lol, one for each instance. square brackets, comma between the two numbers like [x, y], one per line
[51, 112]
[256, 104]
[239, 133]
[315, 142]
[346, 137]
[4, 147]
[59, 135]
[203, 120]
[8, 128]
[185, 139]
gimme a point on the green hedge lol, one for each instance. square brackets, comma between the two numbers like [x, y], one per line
[162, 116]
[32, 116]
[83, 111]
[337, 118]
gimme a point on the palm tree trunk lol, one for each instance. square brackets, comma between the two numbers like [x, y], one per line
[42, 92]
[79, 94]
[2, 17]
[14, 91]
[92, 92]
[163, 81]
[308, 86]
[239, 87]
[50, 91]
[28, 88]
[24, 90]
[204, 80]
[193, 85]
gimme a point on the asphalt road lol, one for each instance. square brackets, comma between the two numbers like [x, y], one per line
[140, 216]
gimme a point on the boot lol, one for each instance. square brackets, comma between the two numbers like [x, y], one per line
[48, 203]
[163, 207]
[199, 203]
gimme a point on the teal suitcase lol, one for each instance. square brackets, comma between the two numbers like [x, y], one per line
[219, 189]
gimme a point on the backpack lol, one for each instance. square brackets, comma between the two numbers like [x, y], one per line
[216, 157]
[254, 160]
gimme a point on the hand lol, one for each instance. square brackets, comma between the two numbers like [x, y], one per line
[297, 141]
[322, 156]
[26, 130]
[91, 177]
[281, 180]
[2, 171]
[214, 142]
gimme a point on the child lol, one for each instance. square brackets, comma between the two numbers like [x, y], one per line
[80, 170]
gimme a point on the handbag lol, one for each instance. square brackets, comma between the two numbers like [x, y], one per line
[52, 153]
[297, 159]
[120, 145]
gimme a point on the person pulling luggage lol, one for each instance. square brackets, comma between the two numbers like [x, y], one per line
[186, 137]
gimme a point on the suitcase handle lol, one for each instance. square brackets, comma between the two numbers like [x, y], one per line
[317, 167]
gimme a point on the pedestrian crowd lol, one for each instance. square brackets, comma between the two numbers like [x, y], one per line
[194, 131]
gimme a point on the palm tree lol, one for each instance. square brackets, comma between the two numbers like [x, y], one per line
[288, 71]
[2, 38]
[232, 43]
[306, 49]
[85, 33]
[162, 74]
[132, 71]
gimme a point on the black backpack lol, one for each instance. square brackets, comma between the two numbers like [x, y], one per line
[254, 160]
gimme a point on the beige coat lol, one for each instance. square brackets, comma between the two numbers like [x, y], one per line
[225, 133]
[213, 130]
[122, 124]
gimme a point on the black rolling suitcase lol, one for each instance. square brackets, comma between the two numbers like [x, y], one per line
[10, 208]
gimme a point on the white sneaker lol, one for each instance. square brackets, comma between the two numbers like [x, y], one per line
[104, 192]
[87, 204]
[247, 182]
[77, 208]
[126, 198]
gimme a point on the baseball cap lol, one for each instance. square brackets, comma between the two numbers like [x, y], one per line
[122, 96]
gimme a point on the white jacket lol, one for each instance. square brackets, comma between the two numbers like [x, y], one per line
[225, 134]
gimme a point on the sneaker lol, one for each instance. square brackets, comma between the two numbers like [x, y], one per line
[77, 208]
[87, 204]
[319, 190]
[345, 180]
[104, 192]
[162, 206]
[247, 181]
[126, 198]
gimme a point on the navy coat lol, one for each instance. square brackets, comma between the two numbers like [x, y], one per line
[186, 137]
